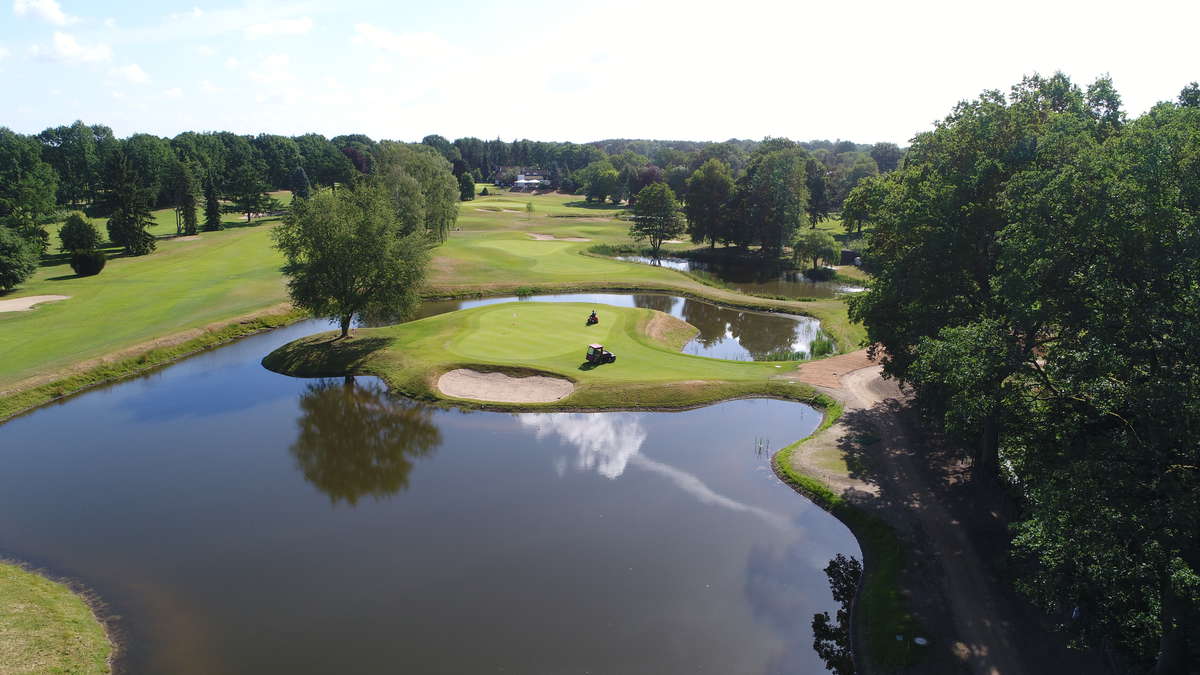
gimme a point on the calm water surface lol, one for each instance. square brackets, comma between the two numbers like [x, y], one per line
[241, 521]
[751, 278]
[725, 333]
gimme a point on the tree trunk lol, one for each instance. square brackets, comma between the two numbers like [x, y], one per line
[345, 320]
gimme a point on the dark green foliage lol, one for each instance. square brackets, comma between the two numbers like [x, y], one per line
[422, 188]
[466, 186]
[1035, 282]
[72, 152]
[27, 187]
[299, 184]
[183, 190]
[247, 190]
[128, 204]
[708, 190]
[18, 258]
[88, 263]
[78, 233]
[484, 192]
[212, 207]
[832, 640]
[814, 245]
[770, 200]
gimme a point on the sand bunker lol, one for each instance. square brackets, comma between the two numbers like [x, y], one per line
[550, 237]
[22, 304]
[190, 237]
[464, 383]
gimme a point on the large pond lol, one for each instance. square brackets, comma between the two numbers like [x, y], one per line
[754, 278]
[725, 333]
[240, 521]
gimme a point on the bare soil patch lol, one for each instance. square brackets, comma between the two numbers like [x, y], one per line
[190, 237]
[27, 303]
[828, 372]
[550, 237]
[502, 388]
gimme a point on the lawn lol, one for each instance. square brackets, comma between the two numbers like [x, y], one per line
[544, 338]
[46, 628]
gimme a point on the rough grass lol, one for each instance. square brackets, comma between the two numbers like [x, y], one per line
[543, 337]
[47, 628]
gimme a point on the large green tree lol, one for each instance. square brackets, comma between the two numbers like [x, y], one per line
[71, 150]
[770, 200]
[18, 258]
[27, 187]
[656, 216]
[708, 190]
[404, 169]
[128, 204]
[347, 256]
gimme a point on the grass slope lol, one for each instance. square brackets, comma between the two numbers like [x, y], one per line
[546, 338]
[46, 628]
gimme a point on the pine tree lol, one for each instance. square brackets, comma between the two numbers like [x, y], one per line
[212, 206]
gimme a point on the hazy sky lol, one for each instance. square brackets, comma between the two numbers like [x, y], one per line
[866, 71]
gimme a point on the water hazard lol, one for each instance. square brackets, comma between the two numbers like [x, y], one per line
[241, 521]
[759, 279]
[725, 333]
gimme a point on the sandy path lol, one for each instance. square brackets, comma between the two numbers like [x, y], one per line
[501, 388]
[27, 302]
[948, 583]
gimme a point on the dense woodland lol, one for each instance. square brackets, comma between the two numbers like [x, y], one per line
[779, 184]
[1036, 263]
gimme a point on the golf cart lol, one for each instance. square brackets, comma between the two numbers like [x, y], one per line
[597, 354]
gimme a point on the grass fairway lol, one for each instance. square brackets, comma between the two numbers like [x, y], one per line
[45, 628]
[543, 338]
[182, 285]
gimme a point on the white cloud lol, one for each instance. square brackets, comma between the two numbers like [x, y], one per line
[3, 52]
[67, 49]
[131, 73]
[110, 22]
[205, 50]
[423, 46]
[273, 69]
[43, 9]
[118, 95]
[173, 92]
[298, 26]
[232, 63]
[209, 88]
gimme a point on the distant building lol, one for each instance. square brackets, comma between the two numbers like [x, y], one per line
[526, 179]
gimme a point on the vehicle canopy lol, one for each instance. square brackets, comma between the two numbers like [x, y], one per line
[595, 346]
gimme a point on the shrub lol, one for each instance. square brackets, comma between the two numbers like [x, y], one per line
[79, 234]
[484, 192]
[87, 263]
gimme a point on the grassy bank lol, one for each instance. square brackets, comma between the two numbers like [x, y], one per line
[47, 628]
[880, 612]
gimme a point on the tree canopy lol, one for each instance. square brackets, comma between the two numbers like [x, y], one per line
[346, 255]
[656, 216]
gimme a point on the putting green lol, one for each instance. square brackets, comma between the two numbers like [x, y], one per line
[543, 338]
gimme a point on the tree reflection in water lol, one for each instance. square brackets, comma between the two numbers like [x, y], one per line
[355, 440]
[832, 640]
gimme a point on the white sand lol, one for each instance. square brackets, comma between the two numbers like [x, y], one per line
[26, 303]
[550, 237]
[464, 383]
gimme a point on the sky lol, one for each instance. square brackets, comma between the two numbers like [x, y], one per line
[550, 70]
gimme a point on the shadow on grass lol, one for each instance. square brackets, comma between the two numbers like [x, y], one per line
[325, 357]
[580, 204]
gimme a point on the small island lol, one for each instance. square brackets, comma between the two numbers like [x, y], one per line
[547, 341]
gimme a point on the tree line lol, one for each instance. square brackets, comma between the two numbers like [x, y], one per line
[199, 175]
[1036, 264]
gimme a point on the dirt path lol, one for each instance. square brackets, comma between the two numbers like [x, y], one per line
[976, 624]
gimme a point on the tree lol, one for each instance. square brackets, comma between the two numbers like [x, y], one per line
[656, 216]
[248, 191]
[27, 187]
[831, 640]
[279, 155]
[437, 210]
[18, 258]
[183, 190]
[71, 151]
[1189, 96]
[887, 156]
[299, 183]
[346, 255]
[708, 190]
[128, 204]
[814, 245]
[466, 187]
[212, 206]
[770, 199]
[78, 233]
